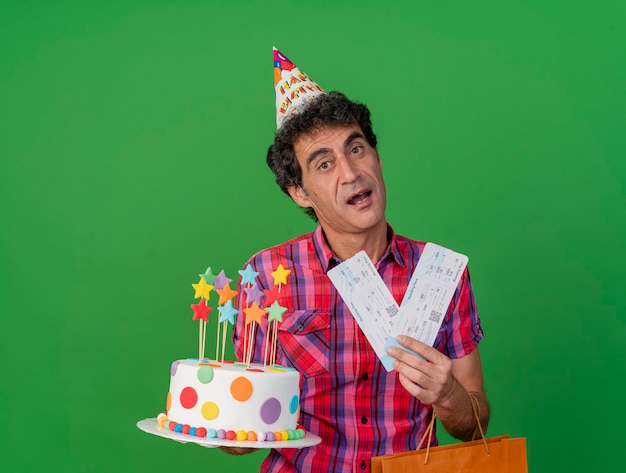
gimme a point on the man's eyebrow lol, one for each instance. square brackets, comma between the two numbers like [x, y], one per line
[353, 136]
[315, 154]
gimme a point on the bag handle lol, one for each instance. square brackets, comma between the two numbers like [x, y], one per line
[476, 409]
[431, 427]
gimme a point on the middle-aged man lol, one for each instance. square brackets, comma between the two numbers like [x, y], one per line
[324, 157]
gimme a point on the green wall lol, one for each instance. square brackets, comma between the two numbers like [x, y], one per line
[132, 146]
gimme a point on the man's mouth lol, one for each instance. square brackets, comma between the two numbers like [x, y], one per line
[359, 198]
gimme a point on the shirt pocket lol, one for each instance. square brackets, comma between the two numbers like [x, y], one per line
[305, 341]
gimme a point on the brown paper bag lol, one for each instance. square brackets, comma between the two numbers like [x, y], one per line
[488, 455]
[506, 455]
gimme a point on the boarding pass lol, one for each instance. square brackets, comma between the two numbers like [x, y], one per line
[423, 307]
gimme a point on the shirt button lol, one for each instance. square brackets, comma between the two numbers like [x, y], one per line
[363, 465]
[300, 327]
[365, 377]
[363, 420]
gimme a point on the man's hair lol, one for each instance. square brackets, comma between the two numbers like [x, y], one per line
[332, 109]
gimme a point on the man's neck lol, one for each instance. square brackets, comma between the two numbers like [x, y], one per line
[346, 245]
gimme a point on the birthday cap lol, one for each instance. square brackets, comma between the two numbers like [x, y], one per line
[293, 88]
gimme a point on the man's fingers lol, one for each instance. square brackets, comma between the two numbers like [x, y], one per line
[425, 351]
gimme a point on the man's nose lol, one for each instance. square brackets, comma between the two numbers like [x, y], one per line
[348, 172]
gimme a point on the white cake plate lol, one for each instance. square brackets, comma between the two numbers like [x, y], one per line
[152, 427]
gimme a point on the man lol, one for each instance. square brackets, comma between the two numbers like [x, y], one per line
[324, 157]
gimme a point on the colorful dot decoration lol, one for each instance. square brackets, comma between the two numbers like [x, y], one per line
[188, 397]
[240, 435]
[210, 410]
[241, 389]
[270, 411]
[205, 374]
[294, 403]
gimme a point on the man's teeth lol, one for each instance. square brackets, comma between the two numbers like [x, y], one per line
[359, 198]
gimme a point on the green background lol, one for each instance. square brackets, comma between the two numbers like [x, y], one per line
[132, 146]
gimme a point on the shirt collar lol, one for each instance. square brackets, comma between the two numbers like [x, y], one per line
[328, 260]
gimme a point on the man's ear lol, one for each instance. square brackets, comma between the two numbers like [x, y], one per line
[299, 196]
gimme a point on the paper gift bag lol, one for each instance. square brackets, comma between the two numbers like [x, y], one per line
[504, 455]
[488, 455]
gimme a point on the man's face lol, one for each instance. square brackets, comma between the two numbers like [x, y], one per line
[341, 179]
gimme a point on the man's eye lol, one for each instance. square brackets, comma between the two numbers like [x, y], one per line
[324, 165]
[357, 149]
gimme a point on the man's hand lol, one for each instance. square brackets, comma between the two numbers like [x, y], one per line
[238, 450]
[435, 379]
[428, 377]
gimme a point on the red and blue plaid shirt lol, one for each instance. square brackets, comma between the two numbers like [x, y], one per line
[348, 398]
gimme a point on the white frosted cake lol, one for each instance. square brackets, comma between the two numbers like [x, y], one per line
[234, 401]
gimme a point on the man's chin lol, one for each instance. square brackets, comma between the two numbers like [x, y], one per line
[367, 221]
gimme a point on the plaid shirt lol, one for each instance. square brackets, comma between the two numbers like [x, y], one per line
[348, 398]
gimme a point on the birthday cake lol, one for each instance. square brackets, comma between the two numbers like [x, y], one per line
[233, 401]
[223, 399]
